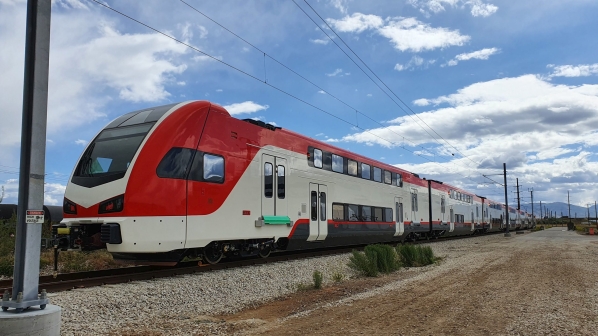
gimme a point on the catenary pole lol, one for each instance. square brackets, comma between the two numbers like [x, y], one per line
[33, 149]
[508, 221]
[533, 218]
[569, 207]
[518, 199]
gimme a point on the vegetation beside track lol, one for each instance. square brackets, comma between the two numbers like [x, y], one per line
[381, 258]
[72, 261]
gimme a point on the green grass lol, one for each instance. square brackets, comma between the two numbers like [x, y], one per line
[415, 255]
[374, 259]
[318, 279]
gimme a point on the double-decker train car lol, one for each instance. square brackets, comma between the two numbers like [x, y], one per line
[187, 179]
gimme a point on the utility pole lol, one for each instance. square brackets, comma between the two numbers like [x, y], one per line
[533, 218]
[518, 199]
[508, 221]
[569, 206]
[32, 166]
[596, 213]
[541, 214]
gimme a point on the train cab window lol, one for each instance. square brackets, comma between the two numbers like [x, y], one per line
[280, 174]
[387, 177]
[322, 206]
[338, 212]
[387, 214]
[268, 180]
[337, 163]
[377, 215]
[397, 180]
[213, 168]
[314, 205]
[317, 158]
[365, 171]
[366, 213]
[352, 213]
[352, 167]
[175, 163]
[377, 174]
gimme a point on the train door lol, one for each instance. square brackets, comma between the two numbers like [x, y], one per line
[452, 220]
[414, 206]
[400, 227]
[274, 200]
[318, 210]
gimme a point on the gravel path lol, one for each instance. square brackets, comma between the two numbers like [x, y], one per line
[532, 284]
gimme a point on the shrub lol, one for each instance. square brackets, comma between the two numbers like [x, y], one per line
[338, 276]
[364, 263]
[375, 259]
[318, 278]
[415, 255]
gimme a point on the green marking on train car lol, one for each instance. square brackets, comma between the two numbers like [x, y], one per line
[277, 220]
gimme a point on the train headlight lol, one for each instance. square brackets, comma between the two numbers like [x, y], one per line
[115, 204]
[69, 207]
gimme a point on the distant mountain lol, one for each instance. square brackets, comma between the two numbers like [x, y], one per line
[559, 208]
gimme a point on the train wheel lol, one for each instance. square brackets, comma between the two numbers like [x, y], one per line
[212, 253]
[265, 252]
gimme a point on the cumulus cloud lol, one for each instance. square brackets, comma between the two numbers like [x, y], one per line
[81, 142]
[583, 70]
[538, 128]
[406, 34]
[477, 7]
[245, 107]
[320, 41]
[482, 54]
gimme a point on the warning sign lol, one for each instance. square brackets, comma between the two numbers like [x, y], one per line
[34, 217]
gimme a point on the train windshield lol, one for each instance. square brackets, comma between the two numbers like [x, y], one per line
[112, 151]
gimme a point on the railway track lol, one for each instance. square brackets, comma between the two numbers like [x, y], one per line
[68, 281]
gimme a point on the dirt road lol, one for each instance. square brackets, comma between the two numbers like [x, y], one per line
[541, 283]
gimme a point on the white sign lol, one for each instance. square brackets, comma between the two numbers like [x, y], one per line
[35, 217]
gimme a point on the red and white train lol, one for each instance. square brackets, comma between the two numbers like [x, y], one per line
[187, 179]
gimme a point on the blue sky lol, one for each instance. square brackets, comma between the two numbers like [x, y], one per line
[483, 81]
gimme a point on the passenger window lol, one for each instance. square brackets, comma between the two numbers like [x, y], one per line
[337, 163]
[268, 180]
[213, 168]
[377, 215]
[399, 180]
[366, 213]
[353, 213]
[387, 177]
[314, 205]
[338, 212]
[281, 181]
[365, 171]
[317, 158]
[352, 167]
[175, 163]
[377, 174]
[322, 206]
[399, 207]
[387, 214]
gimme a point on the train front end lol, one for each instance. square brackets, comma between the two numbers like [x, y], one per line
[113, 200]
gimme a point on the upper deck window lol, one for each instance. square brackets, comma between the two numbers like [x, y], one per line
[365, 171]
[317, 158]
[352, 167]
[377, 174]
[337, 163]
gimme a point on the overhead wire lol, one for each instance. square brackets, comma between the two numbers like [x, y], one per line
[381, 81]
[268, 84]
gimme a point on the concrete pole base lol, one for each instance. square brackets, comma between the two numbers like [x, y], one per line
[508, 234]
[33, 321]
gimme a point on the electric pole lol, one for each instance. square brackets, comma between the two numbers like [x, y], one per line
[533, 218]
[541, 214]
[508, 221]
[569, 206]
[518, 199]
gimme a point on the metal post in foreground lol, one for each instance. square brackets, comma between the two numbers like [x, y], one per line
[32, 166]
[533, 218]
[570, 225]
[508, 220]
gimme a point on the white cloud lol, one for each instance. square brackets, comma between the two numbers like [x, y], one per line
[322, 92]
[245, 107]
[357, 23]
[482, 54]
[409, 34]
[415, 62]
[477, 7]
[582, 70]
[320, 41]
[406, 34]
[369, 95]
[219, 90]
[341, 5]
[335, 72]
[81, 142]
